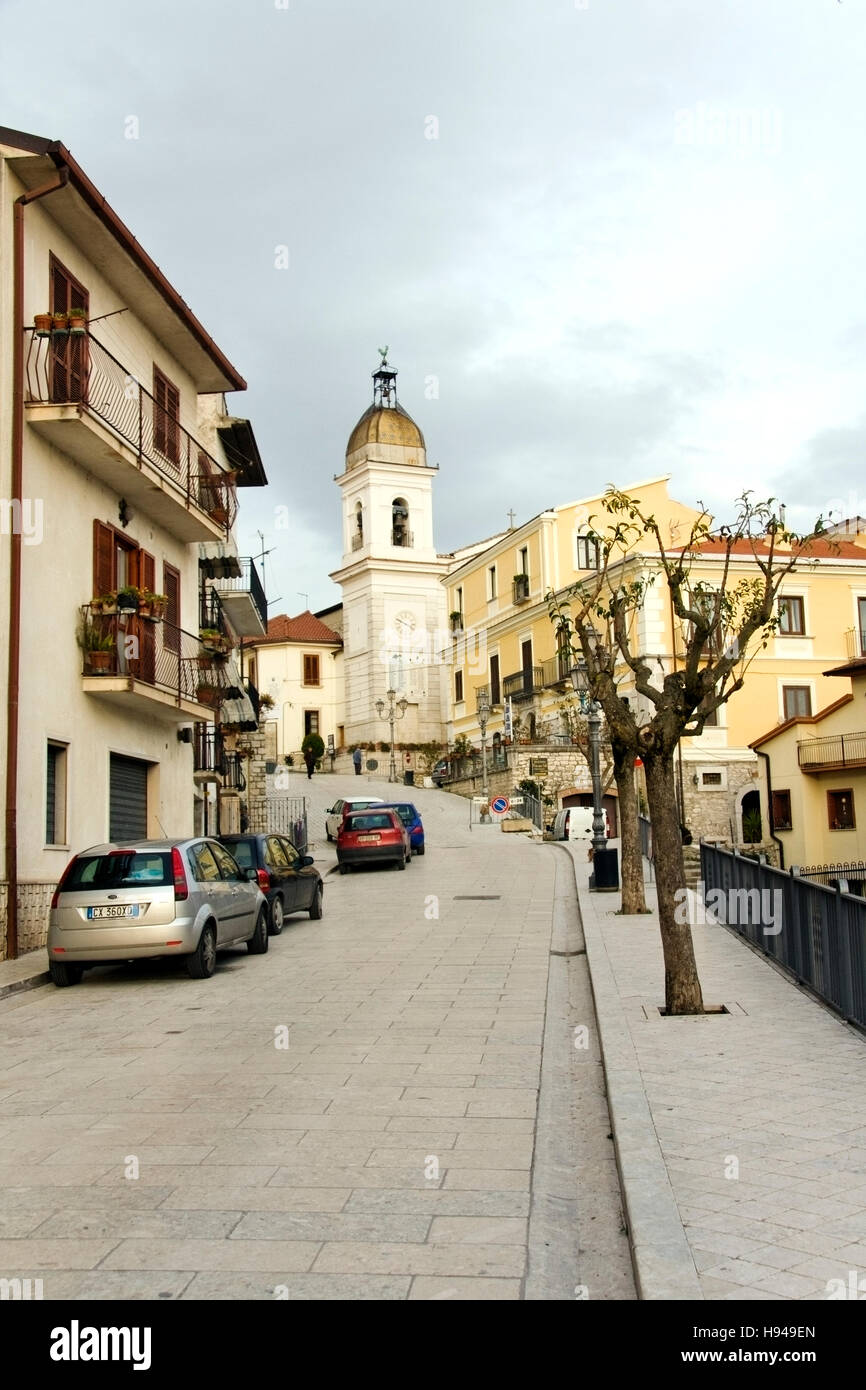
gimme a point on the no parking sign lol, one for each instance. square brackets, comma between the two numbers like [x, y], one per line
[500, 804]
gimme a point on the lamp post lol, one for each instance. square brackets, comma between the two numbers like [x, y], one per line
[592, 709]
[393, 704]
[482, 707]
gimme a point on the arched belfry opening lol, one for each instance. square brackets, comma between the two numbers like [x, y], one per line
[400, 533]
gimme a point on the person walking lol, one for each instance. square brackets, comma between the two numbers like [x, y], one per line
[310, 760]
[356, 759]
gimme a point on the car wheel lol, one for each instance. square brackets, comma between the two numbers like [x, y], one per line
[258, 942]
[202, 963]
[420, 849]
[344, 868]
[277, 916]
[316, 904]
[328, 835]
[64, 975]
[401, 863]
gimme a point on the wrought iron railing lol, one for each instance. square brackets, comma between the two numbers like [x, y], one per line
[75, 369]
[247, 581]
[555, 670]
[852, 873]
[834, 750]
[522, 685]
[520, 589]
[154, 653]
[855, 642]
[210, 755]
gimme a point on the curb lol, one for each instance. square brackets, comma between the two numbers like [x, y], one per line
[663, 1264]
[29, 982]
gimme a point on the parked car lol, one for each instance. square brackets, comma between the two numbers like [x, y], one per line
[334, 817]
[153, 898]
[289, 880]
[575, 823]
[441, 772]
[411, 818]
[374, 836]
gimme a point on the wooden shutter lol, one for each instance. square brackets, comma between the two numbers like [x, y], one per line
[171, 588]
[166, 416]
[103, 559]
[311, 670]
[146, 629]
[69, 352]
[495, 692]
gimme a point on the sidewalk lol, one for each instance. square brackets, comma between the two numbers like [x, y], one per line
[741, 1137]
[27, 972]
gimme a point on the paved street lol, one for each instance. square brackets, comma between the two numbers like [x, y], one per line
[156, 1141]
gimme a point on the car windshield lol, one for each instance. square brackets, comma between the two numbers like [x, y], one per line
[373, 820]
[406, 813]
[120, 869]
[242, 851]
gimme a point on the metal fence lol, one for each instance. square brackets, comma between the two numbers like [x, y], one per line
[850, 877]
[280, 815]
[646, 836]
[816, 934]
[532, 808]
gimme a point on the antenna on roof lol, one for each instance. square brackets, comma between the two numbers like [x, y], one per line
[304, 595]
[261, 556]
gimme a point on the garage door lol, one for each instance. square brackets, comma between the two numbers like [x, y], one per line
[127, 799]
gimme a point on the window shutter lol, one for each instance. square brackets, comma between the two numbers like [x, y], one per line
[103, 559]
[146, 630]
[171, 587]
[146, 571]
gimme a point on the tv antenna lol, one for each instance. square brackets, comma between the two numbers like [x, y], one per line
[261, 558]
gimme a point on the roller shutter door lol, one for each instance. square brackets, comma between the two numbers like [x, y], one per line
[127, 799]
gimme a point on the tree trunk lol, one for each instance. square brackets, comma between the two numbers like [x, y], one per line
[682, 986]
[633, 899]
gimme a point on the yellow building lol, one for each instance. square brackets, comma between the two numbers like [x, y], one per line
[503, 640]
[815, 768]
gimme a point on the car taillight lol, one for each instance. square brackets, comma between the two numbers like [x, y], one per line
[63, 877]
[265, 880]
[178, 872]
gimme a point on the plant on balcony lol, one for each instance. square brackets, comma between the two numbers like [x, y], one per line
[97, 646]
[128, 599]
[266, 701]
[214, 643]
[60, 321]
[78, 320]
[208, 694]
[456, 620]
[42, 324]
[106, 603]
[152, 605]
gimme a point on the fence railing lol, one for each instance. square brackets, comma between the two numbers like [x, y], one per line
[155, 653]
[279, 815]
[555, 670]
[855, 642]
[833, 750]
[853, 873]
[522, 685]
[247, 582]
[75, 369]
[814, 933]
[209, 755]
[532, 808]
[646, 836]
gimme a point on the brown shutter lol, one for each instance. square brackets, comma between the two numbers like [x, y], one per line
[69, 354]
[146, 630]
[171, 587]
[103, 559]
[166, 416]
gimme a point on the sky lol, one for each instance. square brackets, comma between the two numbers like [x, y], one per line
[603, 239]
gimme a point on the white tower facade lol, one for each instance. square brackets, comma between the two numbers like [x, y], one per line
[394, 624]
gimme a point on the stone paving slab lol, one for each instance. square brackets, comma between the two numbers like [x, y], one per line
[742, 1131]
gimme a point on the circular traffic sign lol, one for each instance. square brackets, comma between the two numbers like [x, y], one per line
[500, 804]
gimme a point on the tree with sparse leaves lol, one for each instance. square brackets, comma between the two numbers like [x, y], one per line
[723, 624]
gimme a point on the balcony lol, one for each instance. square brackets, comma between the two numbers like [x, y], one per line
[522, 685]
[242, 599]
[832, 753]
[520, 588]
[152, 668]
[211, 762]
[556, 670]
[90, 407]
[855, 643]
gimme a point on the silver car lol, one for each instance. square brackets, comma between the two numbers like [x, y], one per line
[153, 898]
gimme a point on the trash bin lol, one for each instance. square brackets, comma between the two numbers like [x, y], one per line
[409, 779]
[605, 865]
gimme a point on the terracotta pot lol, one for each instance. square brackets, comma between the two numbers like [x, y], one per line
[60, 323]
[42, 324]
[208, 695]
[99, 662]
[78, 323]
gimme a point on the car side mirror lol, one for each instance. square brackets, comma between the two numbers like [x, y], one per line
[251, 876]
[306, 860]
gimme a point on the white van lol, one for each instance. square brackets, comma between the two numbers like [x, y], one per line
[573, 823]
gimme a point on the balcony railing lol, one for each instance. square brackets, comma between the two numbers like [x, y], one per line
[357, 541]
[156, 654]
[556, 670]
[406, 538]
[832, 752]
[520, 589]
[75, 369]
[855, 642]
[522, 685]
[210, 756]
[243, 599]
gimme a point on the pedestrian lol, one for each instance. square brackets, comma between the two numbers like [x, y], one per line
[310, 760]
[356, 759]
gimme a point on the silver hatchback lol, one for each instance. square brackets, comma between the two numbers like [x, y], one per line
[153, 898]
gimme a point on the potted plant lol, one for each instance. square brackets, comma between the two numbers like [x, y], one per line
[78, 320]
[520, 587]
[207, 693]
[152, 605]
[213, 641]
[266, 701]
[106, 603]
[59, 321]
[97, 646]
[128, 599]
[456, 620]
[42, 324]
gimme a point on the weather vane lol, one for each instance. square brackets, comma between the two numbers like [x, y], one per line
[383, 353]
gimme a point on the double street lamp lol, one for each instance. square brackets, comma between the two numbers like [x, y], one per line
[393, 705]
[592, 709]
[482, 708]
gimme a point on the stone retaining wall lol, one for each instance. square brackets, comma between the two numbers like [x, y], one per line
[34, 902]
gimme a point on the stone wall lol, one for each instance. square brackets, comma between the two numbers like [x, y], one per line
[567, 772]
[714, 815]
[34, 902]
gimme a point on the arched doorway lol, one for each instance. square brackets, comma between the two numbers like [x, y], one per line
[751, 825]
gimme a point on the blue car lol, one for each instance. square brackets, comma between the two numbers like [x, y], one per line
[412, 821]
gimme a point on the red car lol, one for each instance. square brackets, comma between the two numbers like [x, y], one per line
[373, 836]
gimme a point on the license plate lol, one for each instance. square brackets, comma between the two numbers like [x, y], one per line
[367, 839]
[115, 910]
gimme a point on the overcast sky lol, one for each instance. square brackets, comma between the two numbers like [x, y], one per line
[636, 245]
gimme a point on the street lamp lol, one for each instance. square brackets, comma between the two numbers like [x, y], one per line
[393, 704]
[592, 709]
[482, 707]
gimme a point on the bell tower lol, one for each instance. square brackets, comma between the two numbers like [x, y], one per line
[393, 601]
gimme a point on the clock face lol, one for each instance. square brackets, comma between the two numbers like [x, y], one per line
[405, 622]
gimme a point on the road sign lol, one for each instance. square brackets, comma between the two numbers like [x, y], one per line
[500, 804]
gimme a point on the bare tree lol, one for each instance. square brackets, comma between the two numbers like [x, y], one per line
[724, 624]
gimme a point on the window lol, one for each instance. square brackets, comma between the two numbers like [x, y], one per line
[166, 416]
[782, 810]
[712, 719]
[792, 618]
[586, 553]
[400, 534]
[495, 687]
[705, 602]
[861, 623]
[171, 589]
[796, 701]
[69, 351]
[55, 795]
[491, 582]
[523, 566]
[840, 809]
[204, 866]
[311, 670]
[358, 533]
[227, 865]
[458, 686]
[275, 855]
[711, 779]
[459, 600]
[311, 721]
[293, 859]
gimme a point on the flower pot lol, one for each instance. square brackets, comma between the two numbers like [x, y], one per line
[77, 323]
[42, 324]
[60, 323]
[145, 610]
[99, 663]
[107, 607]
[220, 514]
[208, 695]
